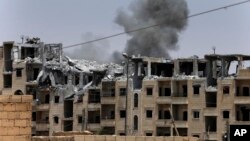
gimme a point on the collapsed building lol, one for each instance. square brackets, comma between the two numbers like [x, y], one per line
[184, 96]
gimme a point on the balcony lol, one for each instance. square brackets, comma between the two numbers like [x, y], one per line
[241, 99]
[163, 99]
[108, 122]
[163, 122]
[42, 107]
[181, 124]
[108, 100]
[94, 106]
[210, 112]
[179, 100]
[42, 126]
[93, 126]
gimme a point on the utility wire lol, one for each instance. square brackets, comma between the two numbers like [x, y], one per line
[144, 28]
[155, 25]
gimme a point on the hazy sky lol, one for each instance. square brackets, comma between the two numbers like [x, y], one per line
[69, 21]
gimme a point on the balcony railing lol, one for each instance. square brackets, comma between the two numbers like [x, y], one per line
[42, 126]
[179, 100]
[241, 99]
[108, 122]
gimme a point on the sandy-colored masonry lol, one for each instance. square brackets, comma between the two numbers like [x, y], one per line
[15, 118]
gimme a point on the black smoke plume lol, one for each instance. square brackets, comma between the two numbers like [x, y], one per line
[155, 41]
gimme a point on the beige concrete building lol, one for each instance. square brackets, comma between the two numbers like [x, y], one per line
[185, 96]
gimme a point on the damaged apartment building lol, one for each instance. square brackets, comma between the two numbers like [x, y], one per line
[184, 96]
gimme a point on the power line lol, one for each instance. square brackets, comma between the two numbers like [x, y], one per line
[155, 25]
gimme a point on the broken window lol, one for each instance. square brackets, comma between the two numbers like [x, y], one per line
[149, 91]
[135, 123]
[47, 97]
[135, 100]
[211, 123]
[226, 89]
[107, 130]
[122, 134]
[164, 114]
[56, 120]
[108, 111]
[185, 116]
[77, 79]
[246, 91]
[7, 81]
[163, 131]
[108, 89]
[196, 89]
[68, 108]
[242, 112]
[33, 116]
[94, 116]
[123, 91]
[18, 72]
[237, 91]
[167, 92]
[186, 68]
[162, 69]
[27, 52]
[160, 91]
[68, 125]
[35, 73]
[211, 99]
[79, 119]
[149, 134]
[122, 113]
[57, 99]
[149, 113]
[94, 96]
[8, 57]
[164, 92]
[201, 69]
[196, 114]
[65, 79]
[184, 87]
[225, 114]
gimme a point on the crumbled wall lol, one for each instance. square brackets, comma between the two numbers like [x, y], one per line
[15, 117]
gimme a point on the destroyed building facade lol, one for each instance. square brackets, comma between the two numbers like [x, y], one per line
[73, 95]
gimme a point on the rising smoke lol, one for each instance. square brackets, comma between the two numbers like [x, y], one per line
[156, 41]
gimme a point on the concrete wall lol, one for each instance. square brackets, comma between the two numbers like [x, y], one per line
[15, 118]
[113, 138]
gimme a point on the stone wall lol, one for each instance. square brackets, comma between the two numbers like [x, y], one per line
[112, 138]
[15, 117]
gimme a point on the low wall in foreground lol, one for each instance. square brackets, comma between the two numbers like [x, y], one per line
[15, 117]
[112, 138]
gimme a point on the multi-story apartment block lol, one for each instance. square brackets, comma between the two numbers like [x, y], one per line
[185, 96]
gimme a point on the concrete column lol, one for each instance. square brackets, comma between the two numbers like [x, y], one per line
[195, 67]
[19, 51]
[176, 67]
[223, 68]
[139, 68]
[81, 79]
[214, 67]
[240, 65]
[60, 54]
[69, 79]
[149, 68]
[209, 66]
